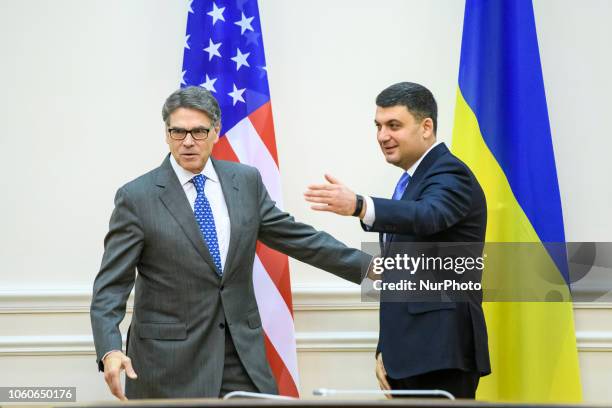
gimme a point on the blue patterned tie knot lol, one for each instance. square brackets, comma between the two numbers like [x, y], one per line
[198, 181]
[206, 221]
[400, 188]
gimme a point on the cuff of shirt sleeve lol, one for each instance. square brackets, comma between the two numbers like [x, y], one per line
[370, 214]
[104, 356]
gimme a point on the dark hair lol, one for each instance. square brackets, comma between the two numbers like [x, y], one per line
[419, 100]
[193, 97]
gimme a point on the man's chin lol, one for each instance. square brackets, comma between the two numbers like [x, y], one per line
[392, 160]
[396, 162]
[191, 166]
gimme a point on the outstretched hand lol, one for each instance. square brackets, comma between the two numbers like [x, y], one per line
[333, 197]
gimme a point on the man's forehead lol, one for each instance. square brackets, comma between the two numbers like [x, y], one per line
[189, 114]
[390, 113]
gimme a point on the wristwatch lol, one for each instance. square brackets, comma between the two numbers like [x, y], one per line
[358, 205]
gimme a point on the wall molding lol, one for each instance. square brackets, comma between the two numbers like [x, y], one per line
[305, 297]
[24, 301]
[78, 299]
[329, 298]
[594, 340]
[593, 305]
[337, 341]
[19, 300]
[83, 344]
[346, 341]
[46, 345]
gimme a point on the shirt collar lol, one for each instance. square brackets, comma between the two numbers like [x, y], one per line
[185, 176]
[412, 169]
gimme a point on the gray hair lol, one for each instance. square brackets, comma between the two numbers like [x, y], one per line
[193, 97]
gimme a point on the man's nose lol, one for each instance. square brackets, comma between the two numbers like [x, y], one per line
[382, 135]
[188, 140]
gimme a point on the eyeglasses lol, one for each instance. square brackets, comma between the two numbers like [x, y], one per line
[200, 133]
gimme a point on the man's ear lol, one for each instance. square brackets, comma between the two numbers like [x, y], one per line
[166, 134]
[428, 130]
[217, 129]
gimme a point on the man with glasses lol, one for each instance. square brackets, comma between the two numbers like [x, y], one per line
[190, 227]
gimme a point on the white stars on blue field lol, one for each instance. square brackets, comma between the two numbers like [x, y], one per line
[224, 53]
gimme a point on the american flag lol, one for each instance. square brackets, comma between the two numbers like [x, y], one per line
[224, 53]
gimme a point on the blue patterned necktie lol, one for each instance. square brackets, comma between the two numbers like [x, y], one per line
[206, 221]
[400, 188]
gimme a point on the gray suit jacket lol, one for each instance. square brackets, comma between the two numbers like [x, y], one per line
[176, 339]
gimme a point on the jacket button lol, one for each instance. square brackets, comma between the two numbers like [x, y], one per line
[222, 326]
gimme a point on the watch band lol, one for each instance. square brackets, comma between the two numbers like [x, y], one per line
[358, 205]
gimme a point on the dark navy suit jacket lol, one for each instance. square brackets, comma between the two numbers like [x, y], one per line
[442, 203]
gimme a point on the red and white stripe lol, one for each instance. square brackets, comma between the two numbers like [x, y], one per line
[251, 141]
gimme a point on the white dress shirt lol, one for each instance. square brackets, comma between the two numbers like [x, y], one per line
[214, 194]
[370, 214]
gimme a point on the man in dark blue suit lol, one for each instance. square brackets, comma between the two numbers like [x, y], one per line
[440, 343]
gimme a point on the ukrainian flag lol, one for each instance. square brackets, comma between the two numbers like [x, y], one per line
[502, 132]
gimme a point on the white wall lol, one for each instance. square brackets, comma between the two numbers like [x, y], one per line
[83, 82]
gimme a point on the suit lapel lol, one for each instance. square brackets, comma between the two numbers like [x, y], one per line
[174, 198]
[422, 170]
[229, 185]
